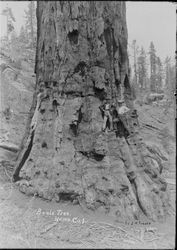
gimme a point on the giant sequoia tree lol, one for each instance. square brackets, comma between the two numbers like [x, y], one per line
[82, 60]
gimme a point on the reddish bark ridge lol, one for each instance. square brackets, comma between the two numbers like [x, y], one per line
[82, 60]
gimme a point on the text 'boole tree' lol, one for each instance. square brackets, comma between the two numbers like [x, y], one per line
[81, 60]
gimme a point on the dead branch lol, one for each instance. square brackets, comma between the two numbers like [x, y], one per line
[49, 227]
[150, 126]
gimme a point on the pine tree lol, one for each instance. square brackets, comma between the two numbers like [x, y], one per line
[23, 35]
[170, 82]
[10, 19]
[31, 23]
[159, 75]
[152, 53]
[167, 69]
[135, 52]
[142, 69]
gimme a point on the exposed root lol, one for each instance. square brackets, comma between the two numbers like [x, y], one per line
[23, 160]
[29, 144]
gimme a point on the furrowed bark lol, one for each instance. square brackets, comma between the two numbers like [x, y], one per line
[81, 60]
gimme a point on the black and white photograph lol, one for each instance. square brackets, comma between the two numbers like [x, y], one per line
[88, 124]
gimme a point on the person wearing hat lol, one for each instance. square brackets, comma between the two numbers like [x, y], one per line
[122, 108]
[43, 92]
[105, 108]
[114, 114]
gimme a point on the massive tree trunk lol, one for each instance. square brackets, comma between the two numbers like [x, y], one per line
[81, 60]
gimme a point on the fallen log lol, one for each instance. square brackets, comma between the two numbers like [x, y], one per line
[149, 126]
[4, 66]
[9, 146]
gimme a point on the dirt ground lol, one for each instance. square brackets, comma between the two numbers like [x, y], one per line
[30, 222]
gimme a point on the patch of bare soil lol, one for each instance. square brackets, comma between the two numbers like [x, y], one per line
[34, 223]
[30, 222]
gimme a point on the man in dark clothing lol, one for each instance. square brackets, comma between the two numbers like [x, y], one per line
[105, 108]
[114, 114]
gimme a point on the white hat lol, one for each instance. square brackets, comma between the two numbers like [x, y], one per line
[120, 101]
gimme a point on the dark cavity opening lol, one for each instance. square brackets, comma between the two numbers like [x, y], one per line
[97, 157]
[73, 37]
[55, 103]
[80, 68]
[42, 111]
[127, 85]
[73, 128]
[44, 145]
[68, 196]
[100, 93]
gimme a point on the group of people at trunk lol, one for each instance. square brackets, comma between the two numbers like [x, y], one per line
[111, 114]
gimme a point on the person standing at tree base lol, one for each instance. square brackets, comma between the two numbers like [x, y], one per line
[122, 108]
[105, 108]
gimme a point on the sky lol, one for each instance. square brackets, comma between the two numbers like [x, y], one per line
[152, 21]
[18, 8]
[146, 22]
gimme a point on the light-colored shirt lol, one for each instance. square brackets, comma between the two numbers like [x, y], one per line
[106, 106]
[122, 110]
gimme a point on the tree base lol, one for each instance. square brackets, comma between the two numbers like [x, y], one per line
[97, 169]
